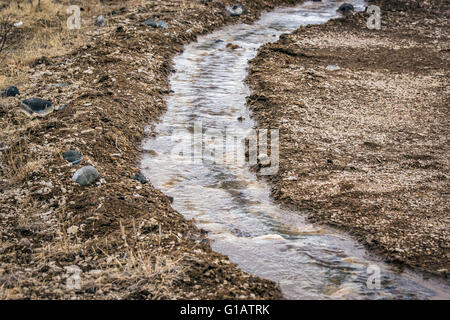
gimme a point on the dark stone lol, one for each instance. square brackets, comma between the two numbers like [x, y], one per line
[73, 156]
[155, 24]
[170, 199]
[10, 92]
[141, 178]
[346, 7]
[36, 105]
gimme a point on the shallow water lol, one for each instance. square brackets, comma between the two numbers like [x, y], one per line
[227, 199]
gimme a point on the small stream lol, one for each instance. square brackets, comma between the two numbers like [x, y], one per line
[226, 199]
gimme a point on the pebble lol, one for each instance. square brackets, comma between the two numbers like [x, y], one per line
[332, 67]
[73, 156]
[237, 10]
[10, 92]
[141, 178]
[100, 21]
[346, 7]
[85, 176]
[155, 24]
[36, 105]
[58, 85]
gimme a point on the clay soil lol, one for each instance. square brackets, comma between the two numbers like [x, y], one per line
[365, 148]
[122, 237]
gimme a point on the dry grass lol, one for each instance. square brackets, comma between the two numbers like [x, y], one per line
[44, 34]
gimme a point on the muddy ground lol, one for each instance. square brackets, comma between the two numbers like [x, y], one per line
[365, 148]
[121, 237]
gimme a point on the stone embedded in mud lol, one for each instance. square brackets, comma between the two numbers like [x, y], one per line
[141, 178]
[10, 92]
[100, 21]
[73, 156]
[155, 24]
[85, 176]
[58, 85]
[236, 11]
[332, 67]
[346, 7]
[36, 105]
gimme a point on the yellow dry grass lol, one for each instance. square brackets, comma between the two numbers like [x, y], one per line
[44, 34]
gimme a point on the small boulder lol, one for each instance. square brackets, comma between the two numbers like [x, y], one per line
[155, 24]
[100, 21]
[73, 156]
[85, 176]
[141, 178]
[36, 105]
[10, 92]
[346, 8]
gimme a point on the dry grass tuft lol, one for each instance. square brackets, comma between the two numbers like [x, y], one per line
[44, 33]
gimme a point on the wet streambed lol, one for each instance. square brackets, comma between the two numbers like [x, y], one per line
[227, 199]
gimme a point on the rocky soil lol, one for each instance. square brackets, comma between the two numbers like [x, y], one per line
[116, 238]
[365, 148]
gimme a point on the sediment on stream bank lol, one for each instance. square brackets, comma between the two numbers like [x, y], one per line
[120, 236]
[365, 148]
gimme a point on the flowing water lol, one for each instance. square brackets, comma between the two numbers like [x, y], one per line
[227, 200]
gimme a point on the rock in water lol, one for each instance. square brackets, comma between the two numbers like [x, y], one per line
[346, 7]
[141, 178]
[155, 24]
[73, 156]
[36, 105]
[100, 21]
[10, 92]
[85, 176]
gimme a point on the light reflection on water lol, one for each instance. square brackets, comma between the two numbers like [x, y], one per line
[308, 261]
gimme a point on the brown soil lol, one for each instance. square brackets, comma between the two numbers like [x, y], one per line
[124, 236]
[365, 148]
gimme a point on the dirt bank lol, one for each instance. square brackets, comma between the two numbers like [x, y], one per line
[365, 148]
[121, 237]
